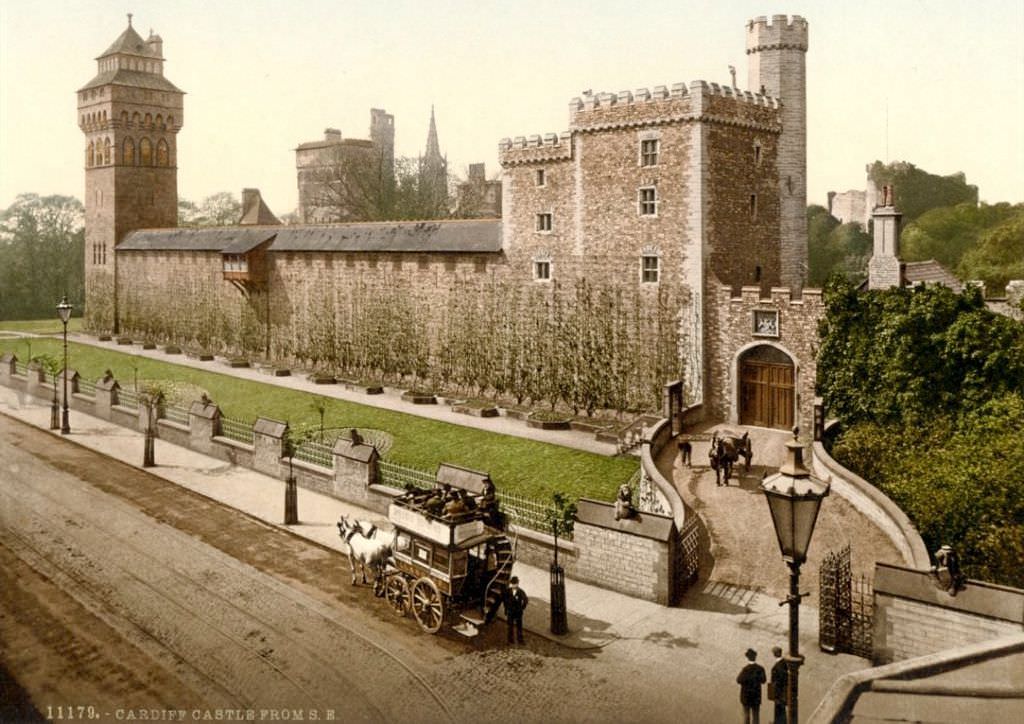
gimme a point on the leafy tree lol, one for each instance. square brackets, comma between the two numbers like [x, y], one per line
[947, 233]
[42, 253]
[834, 248]
[219, 209]
[929, 388]
[998, 256]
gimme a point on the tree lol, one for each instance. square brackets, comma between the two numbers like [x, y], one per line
[834, 248]
[356, 184]
[42, 253]
[998, 256]
[219, 209]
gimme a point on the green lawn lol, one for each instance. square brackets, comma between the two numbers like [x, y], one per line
[523, 466]
[42, 326]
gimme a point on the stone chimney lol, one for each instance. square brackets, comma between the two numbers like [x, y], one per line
[254, 211]
[332, 135]
[884, 268]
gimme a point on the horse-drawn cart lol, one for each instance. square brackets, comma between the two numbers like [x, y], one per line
[451, 560]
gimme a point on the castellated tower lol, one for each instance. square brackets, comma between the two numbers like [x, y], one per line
[382, 135]
[776, 63]
[130, 115]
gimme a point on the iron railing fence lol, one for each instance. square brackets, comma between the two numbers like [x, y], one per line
[528, 512]
[127, 398]
[173, 413]
[237, 430]
[318, 453]
[85, 386]
[401, 477]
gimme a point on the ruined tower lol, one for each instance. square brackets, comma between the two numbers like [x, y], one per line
[382, 135]
[130, 115]
[776, 65]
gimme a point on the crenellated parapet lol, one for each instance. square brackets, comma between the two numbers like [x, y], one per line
[535, 148]
[776, 297]
[781, 33]
[701, 101]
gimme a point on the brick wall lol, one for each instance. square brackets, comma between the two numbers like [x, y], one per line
[914, 617]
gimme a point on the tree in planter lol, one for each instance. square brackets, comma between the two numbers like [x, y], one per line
[319, 405]
[152, 399]
[51, 366]
[289, 444]
[561, 517]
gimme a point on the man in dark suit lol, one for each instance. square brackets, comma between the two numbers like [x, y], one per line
[750, 680]
[780, 685]
[516, 601]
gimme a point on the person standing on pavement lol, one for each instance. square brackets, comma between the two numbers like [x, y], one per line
[750, 679]
[516, 601]
[779, 686]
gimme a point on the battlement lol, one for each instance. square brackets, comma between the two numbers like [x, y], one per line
[781, 33]
[535, 148]
[750, 296]
[677, 91]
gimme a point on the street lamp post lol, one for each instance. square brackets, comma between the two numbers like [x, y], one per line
[64, 310]
[794, 499]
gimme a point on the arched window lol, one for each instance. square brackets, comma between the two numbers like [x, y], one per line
[145, 152]
[106, 151]
[170, 122]
[149, 120]
[124, 118]
[128, 152]
[136, 119]
[90, 154]
[159, 122]
[162, 153]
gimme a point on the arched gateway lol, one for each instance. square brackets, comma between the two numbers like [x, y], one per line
[767, 387]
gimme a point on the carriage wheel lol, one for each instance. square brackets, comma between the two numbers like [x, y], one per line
[427, 605]
[396, 591]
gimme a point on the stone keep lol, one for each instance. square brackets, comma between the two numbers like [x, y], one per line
[130, 115]
[776, 53]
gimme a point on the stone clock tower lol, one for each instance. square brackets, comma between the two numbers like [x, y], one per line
[130, 115]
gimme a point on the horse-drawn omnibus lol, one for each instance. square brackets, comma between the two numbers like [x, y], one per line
[451, 560]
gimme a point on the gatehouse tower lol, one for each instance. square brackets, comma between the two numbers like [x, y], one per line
[130, 115]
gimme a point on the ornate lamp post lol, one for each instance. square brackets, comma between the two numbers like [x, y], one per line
[64, 310]
[794, 498]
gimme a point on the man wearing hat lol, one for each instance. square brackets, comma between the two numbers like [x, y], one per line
[750, 680]
[779, 686]
[516, 601]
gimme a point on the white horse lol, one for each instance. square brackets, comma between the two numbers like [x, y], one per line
[367, 546]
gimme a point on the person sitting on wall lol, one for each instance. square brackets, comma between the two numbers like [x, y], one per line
[624, 503]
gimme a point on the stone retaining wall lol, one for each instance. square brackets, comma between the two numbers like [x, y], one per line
[874, 504]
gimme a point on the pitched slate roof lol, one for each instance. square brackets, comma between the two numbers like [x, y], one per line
[134, 78]
[132, 43]
[469, 236]
[930, 272]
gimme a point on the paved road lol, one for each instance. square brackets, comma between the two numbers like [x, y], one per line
[223, 633]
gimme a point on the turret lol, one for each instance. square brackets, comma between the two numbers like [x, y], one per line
[776, 55]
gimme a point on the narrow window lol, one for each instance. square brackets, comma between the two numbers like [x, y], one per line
[650, 268]
[541, 177]
[106, 152]
[648, 201]
[145, 152]
[757, 153]
[162, 157]
[542, 270]
[753, 206]
[543, 222]
[128, 152]
[649, 152]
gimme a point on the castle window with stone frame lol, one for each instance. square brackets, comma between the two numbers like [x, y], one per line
[753, 207]
[542, 270]
[544, 223]
[128, 152]
[145, 152]
[757, 153]
[650, 268]
[649, 149]
[541, 177]
[647, 201]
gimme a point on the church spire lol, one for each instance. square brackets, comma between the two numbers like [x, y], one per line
[433, 151]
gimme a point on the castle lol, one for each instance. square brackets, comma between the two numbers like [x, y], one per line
[674, 217]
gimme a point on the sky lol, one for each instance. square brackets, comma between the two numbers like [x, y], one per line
[939, 83]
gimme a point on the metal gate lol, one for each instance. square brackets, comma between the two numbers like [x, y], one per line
[686, 566]
[846, 613]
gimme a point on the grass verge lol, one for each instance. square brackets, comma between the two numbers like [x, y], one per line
[517, 465]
